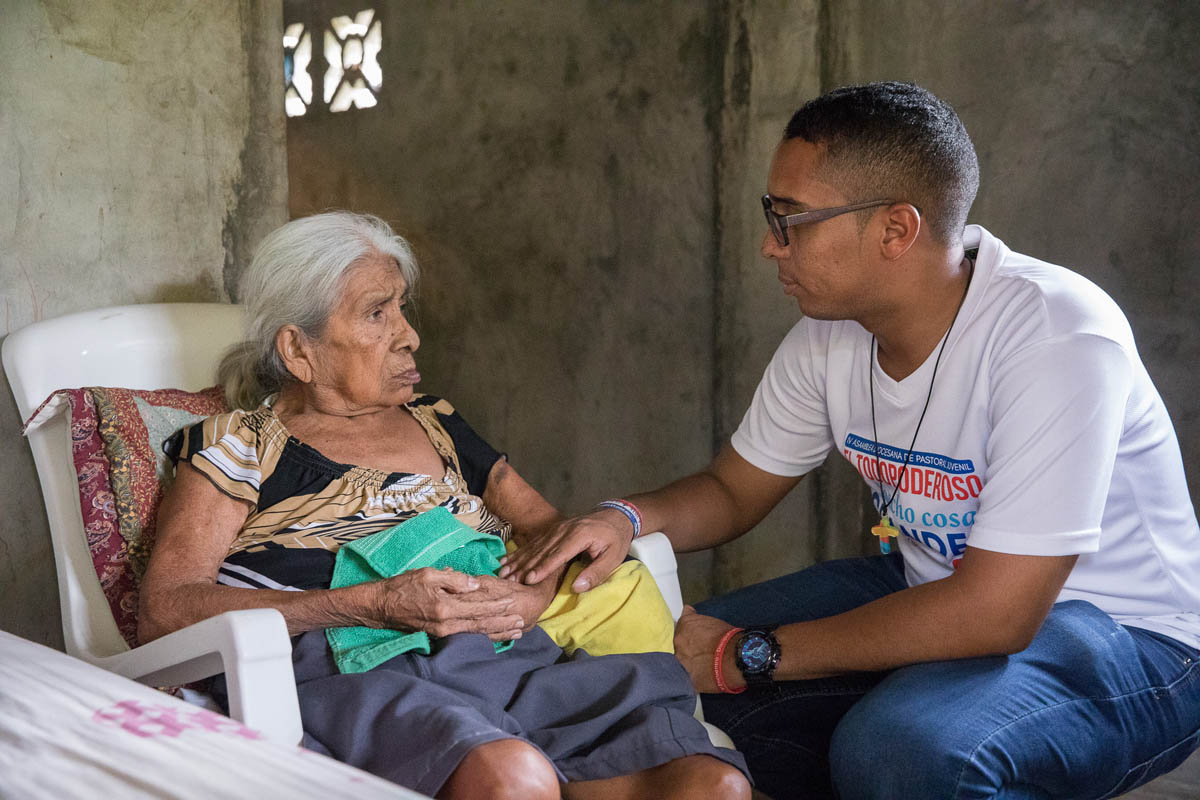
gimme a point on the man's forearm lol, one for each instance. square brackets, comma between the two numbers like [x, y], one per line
[716, 505]
[696, 513]
[930, 622]
[993, 605]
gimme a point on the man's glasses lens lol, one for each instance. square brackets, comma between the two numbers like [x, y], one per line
[774, 222]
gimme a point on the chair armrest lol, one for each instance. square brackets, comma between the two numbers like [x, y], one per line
[251, 647]
[715, 735]
[654, 550]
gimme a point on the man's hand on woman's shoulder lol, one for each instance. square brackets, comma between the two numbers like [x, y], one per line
[604, 535]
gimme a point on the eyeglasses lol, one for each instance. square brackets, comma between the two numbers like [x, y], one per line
[779, 223]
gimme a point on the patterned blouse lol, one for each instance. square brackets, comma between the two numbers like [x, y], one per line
[305, 506]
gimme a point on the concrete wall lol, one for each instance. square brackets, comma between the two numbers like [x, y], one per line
[581, 181]
[772, 62]
[552, 164]
[1084, 136]
[1085, 117]
[1087, 124]
[141, 157]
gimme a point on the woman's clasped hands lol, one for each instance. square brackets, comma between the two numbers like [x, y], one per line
[442, 602]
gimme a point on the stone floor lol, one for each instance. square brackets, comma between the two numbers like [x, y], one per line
[1182, 784]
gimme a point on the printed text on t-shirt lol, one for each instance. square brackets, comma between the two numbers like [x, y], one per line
[934, 476]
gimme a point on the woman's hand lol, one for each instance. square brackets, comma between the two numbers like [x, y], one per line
[604, 535]
[529, 602]
[696, 640]
[442, 602]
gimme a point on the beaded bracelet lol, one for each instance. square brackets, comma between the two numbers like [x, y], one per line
[629, 510]
[718, 657]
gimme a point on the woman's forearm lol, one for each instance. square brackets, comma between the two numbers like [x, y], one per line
[439, 602]
[170, 609]
[530, 514]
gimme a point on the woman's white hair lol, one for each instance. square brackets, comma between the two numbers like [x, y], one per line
[296, 278]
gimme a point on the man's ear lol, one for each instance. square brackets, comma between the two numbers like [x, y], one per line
[296, 352]
[902, 223]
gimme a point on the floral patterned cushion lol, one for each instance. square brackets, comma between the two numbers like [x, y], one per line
[116, 437]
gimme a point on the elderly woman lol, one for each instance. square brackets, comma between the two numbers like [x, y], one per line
[330, 444]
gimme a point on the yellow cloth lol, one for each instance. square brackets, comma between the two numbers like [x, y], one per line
[625, 614]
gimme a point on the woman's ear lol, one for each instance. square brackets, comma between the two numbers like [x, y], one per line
[296, 352]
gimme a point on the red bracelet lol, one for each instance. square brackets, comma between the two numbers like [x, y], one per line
[719, 656]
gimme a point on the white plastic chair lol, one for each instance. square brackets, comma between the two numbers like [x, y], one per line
[143, 347]
[176, 346]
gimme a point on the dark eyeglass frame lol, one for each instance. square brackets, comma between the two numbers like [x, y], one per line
[779, 223]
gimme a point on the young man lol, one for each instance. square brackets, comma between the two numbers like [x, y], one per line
[1036, 633]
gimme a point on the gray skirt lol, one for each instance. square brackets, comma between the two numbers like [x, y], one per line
[412, 719]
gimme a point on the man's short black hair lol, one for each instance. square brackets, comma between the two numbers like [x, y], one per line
[893, 140]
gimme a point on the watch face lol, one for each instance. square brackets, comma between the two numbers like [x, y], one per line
[755, 652]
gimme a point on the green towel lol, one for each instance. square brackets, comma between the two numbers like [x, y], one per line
[430, 539]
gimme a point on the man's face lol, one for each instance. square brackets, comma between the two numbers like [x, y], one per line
[823, 266]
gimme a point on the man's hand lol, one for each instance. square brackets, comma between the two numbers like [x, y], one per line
[604, 535]
[696, 640]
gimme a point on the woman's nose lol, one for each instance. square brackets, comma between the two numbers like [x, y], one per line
[407, 336]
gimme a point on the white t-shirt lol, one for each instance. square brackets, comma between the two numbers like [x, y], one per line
[1044, 436]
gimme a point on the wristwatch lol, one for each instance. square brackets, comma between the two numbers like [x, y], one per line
[756, 655]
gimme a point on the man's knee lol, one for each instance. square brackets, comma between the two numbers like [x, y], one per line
[880, 747]
[504, 769]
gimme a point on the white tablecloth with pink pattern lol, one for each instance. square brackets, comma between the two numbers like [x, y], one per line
[71, 730]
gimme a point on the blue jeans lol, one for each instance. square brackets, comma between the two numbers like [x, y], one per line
[1091, 709]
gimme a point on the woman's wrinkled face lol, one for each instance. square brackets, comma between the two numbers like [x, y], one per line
[364, 359]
